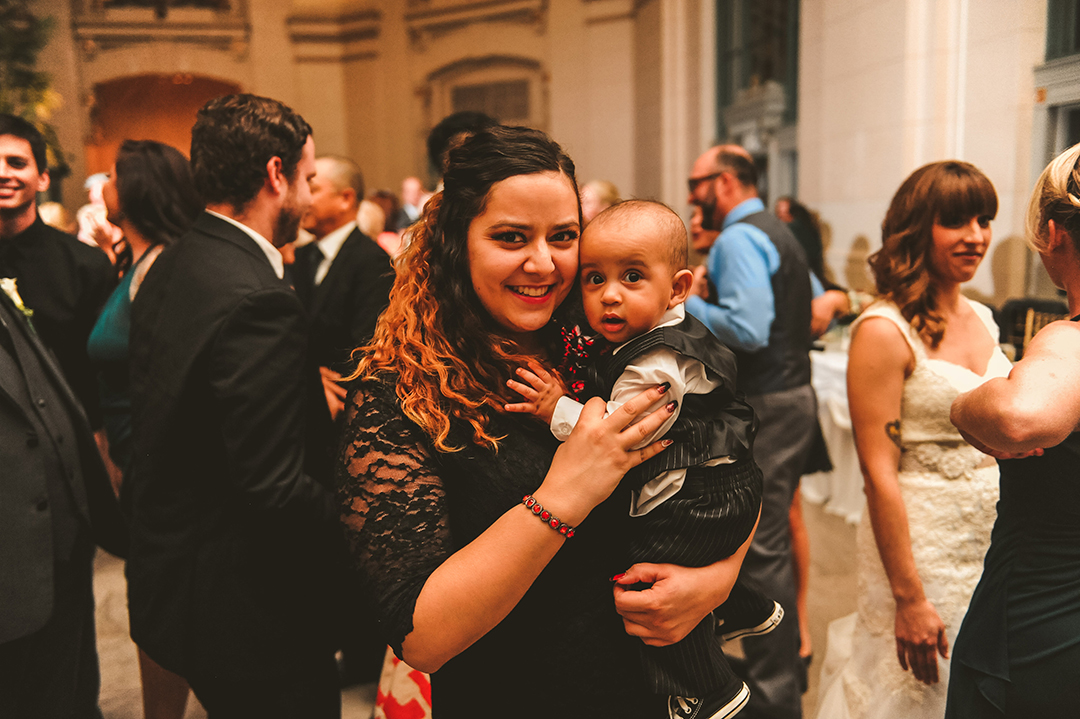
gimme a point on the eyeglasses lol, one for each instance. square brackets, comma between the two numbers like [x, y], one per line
[693, 182]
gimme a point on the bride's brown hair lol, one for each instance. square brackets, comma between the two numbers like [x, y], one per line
[950, 193]
[449, 357]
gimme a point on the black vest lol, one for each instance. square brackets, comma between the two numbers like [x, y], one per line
[784, 363]
[709, 426]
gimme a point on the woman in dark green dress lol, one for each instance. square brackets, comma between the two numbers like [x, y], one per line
[1018, 652]
[151, 196]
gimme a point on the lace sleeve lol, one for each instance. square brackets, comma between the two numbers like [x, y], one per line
[393, 506]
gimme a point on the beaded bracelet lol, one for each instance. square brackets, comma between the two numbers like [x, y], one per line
[547, 517]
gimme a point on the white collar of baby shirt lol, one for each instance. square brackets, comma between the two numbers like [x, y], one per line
[673, 316]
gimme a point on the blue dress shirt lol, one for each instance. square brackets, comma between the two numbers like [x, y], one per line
[741, 264]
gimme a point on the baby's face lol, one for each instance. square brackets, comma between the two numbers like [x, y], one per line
[626, 278]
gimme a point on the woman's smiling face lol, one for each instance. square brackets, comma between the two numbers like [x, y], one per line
[958, 250]
[523, 250]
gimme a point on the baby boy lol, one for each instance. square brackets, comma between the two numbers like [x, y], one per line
[697, 501]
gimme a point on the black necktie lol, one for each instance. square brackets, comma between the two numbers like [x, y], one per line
[317, 257]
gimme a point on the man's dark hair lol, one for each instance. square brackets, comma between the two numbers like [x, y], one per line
[234, 137]
[739, 165]
[14, 125]
[442, 135]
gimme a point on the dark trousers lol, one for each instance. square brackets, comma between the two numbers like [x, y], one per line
[315, 694]
[782, 446]
[53, 673]
[707, 520]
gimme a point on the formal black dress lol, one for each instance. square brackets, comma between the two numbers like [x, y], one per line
[1018, 652]
[406, 508]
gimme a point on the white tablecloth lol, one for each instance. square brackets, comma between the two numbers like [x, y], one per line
[841, 490]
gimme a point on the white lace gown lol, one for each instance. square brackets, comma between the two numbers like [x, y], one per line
[950, 490]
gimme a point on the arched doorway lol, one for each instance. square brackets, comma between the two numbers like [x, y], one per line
[146, 107]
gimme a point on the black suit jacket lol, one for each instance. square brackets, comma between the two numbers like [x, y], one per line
[26, 533]
[235, 554]
[345, 306]
[66, 283]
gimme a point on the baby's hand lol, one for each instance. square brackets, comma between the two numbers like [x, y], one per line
[542, 392]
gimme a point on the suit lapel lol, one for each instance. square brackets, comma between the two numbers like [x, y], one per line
[14, 321]
[9, 366]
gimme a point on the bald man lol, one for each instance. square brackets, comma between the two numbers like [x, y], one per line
[344, 277]
[761, 310]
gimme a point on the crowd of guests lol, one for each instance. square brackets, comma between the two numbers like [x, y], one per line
[522, 441]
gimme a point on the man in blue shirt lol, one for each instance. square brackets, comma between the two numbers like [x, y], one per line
[761, 310]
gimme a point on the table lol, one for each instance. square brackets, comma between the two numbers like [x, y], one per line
[841, 490]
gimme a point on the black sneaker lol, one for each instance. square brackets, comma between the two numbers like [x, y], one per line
[718, 705]
[746, 626]
[746, 612]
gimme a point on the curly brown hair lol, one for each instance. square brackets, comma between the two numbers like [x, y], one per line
[948, 193]
[451, 360]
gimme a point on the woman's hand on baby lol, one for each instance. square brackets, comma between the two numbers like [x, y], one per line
[541, 391]
[676, 602]
[589, 464]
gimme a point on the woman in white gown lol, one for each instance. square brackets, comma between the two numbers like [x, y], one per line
[930, 496]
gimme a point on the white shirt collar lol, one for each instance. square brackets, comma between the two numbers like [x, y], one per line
[673, 316]
[271, 252]
[331, 244]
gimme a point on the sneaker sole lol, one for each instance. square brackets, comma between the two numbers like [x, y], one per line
[733, 707]
[764, 628]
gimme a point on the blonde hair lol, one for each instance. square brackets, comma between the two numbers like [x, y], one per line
[606, 192]
[370, 218]
[1056, 197]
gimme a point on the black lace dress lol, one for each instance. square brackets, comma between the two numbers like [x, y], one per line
[406, 508]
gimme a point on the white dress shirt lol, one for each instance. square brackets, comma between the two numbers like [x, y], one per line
[268, 249]
[686, 375]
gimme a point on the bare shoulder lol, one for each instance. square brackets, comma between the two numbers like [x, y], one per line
[878, 341]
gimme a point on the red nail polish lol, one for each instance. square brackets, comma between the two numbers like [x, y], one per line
[664, 387]
[672, 405]
[617, 577]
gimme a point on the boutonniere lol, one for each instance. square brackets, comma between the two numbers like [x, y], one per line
[11, 289]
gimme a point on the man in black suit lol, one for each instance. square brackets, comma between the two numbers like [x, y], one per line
[65, 281]
[344, 277]
[55, 497]
[236, 556]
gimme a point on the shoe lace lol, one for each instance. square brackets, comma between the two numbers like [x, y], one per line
[686, 703]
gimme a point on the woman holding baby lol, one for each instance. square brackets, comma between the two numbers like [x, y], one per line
[510, 609]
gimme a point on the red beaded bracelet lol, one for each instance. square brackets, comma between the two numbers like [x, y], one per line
[548, 518]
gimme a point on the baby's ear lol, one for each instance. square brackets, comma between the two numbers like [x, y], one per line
[680, 287]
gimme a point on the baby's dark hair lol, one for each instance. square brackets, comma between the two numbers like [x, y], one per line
[669, 225]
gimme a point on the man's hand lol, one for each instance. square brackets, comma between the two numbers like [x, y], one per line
[335, 393]
[541, 393]
[825, 308]
[700, 286]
